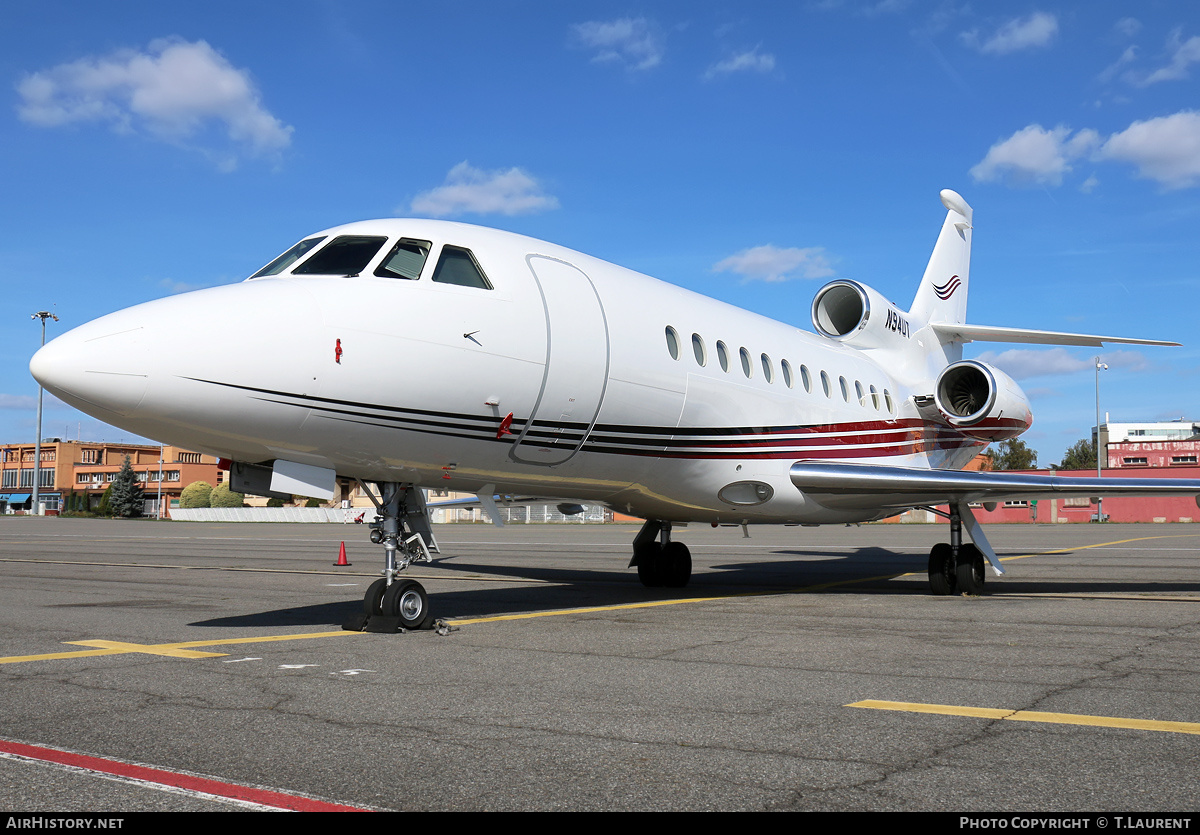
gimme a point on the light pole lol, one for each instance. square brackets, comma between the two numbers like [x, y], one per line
[1099, 474]
[37, 442]
[158, 503]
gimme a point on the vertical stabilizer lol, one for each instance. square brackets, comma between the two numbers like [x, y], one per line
[942, 296]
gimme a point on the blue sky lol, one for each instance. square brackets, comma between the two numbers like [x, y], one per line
[747, 151]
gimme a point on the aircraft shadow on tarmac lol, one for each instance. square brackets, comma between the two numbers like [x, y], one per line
[867, 570]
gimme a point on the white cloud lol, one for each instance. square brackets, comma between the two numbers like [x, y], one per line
[1183, 55]
[1035, 155]
[1166, 149]
[1023, 363]
[1036, 30]
[628, 41]
[172, 91]
[470, 190]
[770, 263]
[752, 61]
[1128, 26]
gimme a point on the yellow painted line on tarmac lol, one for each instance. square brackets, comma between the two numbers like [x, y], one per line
[592, 609]
[1035, 716]
[176, 650]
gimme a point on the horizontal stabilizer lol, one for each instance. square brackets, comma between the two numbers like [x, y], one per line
[949, 332]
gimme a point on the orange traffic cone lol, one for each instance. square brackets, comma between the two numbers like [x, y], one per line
[342, 556]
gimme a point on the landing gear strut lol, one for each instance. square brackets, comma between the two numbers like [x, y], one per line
[402, 526]
[659, 560]
[958, 567]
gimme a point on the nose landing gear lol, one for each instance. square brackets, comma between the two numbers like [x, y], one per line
[402, 526]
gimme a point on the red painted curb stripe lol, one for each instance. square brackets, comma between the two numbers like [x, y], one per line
[264, 797]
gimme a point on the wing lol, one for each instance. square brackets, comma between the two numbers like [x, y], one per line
[864, 486]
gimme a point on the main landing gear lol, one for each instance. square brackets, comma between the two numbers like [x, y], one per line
[957, 567]
[659, 560]
[402, 526]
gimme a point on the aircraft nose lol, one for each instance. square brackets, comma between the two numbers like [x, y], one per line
[103, 364]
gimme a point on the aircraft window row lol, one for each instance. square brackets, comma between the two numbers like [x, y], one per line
[869, 397]
[349, 255]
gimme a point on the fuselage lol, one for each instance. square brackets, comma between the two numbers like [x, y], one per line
[621, 388]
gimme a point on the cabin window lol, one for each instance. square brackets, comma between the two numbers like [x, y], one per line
[858, 394]
[406, 260]
[805, 379]
[747, 368]
[887, 399]
[458, 266]
[723, 355]
[345, 255]
[698, 350]
[845, 389]
[673, 342]
[787, 373]
[875, 398]
[288, 258]
[768, 369]
[825, 384]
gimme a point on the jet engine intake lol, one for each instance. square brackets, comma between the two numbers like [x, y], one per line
[982, 401]
[860, 316]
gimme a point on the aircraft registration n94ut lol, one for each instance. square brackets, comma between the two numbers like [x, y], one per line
[419, 353]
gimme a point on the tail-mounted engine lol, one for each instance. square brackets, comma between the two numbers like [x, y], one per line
[857, 315]
[982, 401]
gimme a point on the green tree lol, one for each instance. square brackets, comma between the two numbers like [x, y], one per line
[1013, 454]
[1080, 456]
[195, 494]
[222, 496]
[125, 494]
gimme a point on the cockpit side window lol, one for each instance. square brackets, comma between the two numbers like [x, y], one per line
[288, 258]
[345, 255]
[458, 266]
[406, 259]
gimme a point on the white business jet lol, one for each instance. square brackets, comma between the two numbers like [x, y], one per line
[420, 353]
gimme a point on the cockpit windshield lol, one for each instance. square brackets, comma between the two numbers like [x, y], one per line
[406, 259]
[288, 258]
[345, 255]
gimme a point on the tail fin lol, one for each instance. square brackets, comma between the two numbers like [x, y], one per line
[942, 296]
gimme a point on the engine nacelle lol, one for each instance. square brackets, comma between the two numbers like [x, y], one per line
[858, 315]
[982, 401]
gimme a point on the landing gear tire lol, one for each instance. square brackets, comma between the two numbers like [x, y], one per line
[373, 600]
[675, 565]
[969, 571]
[650, 565]
[943, 579]
[407, 601]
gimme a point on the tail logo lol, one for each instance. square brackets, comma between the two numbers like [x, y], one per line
[946, 290]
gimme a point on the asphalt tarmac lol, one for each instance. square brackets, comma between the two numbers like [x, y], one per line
[796, 672]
